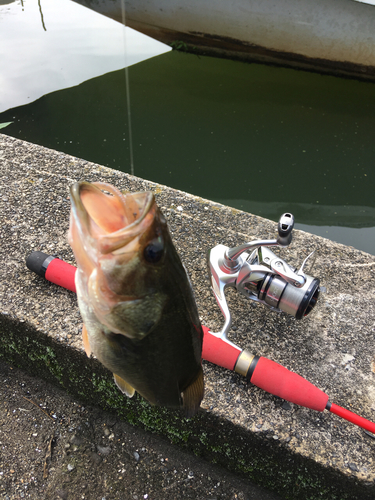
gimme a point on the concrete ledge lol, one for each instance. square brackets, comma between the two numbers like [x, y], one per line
[295, 451]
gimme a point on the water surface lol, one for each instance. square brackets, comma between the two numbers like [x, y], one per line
[48, 45]
[260, 138]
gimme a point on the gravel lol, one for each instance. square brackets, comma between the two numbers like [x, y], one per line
[52, 446]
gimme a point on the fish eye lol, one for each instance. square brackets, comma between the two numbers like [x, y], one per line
[154, 251]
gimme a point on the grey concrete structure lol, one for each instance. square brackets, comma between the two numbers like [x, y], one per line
[297, 452]
[334, 36]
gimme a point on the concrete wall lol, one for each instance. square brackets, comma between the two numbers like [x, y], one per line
[327, 35]
[297, 452]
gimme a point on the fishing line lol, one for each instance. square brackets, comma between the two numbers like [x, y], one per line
[41, 15]
[127, 90]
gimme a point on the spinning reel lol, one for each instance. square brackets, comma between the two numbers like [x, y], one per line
[260, 275]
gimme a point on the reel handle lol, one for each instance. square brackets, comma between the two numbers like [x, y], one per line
[285, 228]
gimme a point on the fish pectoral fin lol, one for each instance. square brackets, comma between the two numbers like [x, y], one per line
[193, 395]
[85, 340]
[124, 386]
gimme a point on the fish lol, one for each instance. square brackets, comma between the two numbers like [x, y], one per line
[139, 313]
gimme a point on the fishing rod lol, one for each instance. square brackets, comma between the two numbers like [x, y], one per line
[260, 276]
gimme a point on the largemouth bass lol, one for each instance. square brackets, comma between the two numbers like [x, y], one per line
[140, 317]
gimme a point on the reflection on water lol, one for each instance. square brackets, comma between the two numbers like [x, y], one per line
[54, 44]
[260, 138]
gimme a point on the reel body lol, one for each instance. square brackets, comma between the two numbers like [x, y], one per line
[258, 281]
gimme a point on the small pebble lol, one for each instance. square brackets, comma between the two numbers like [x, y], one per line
[353, 467]
[95, 458]
[103, 450]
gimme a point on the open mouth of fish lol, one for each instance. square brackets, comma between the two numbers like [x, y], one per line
[109, 219]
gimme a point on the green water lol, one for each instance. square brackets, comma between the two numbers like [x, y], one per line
[259, 138]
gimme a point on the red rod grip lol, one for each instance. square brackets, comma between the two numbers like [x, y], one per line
[280, 381]
[61, 273]
[218, 351]
[352, 417]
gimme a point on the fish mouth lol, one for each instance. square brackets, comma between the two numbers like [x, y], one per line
[106, 218]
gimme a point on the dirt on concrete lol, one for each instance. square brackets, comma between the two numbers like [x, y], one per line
[54, 447]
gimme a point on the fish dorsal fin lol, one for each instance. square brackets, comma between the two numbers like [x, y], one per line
[193, 395]
[85, 340]
[124, 386]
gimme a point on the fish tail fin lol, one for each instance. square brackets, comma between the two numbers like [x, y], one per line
[124, 386]
[193, 395]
